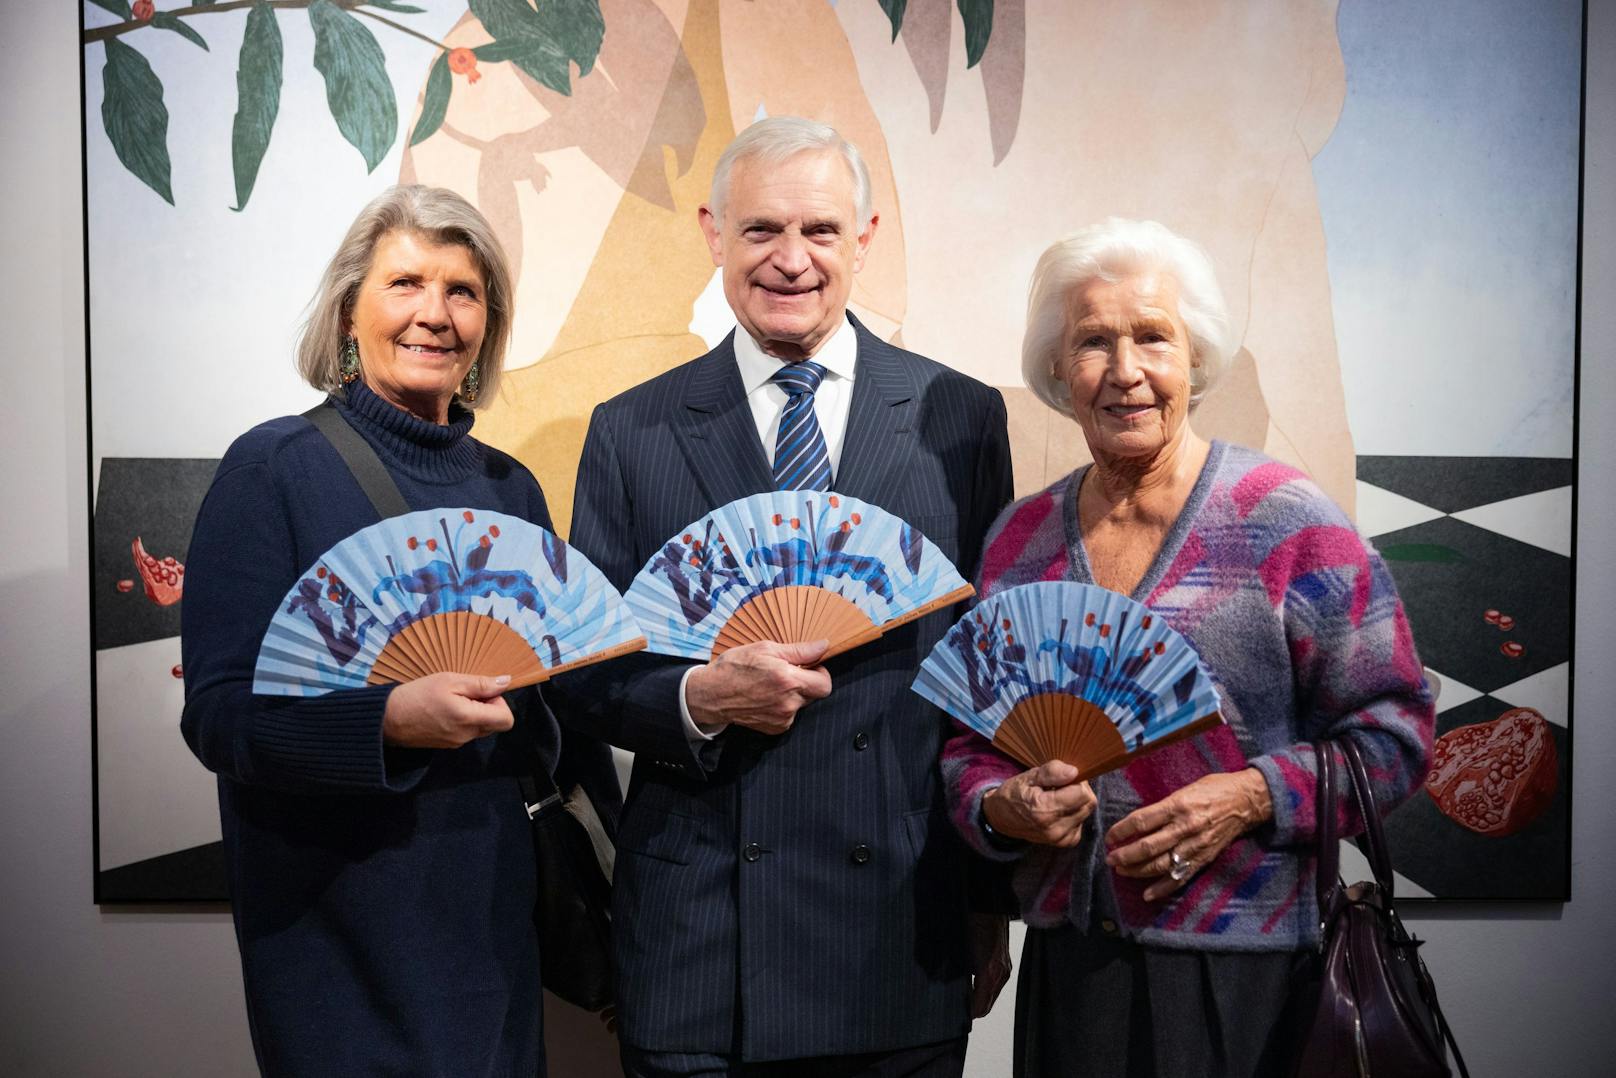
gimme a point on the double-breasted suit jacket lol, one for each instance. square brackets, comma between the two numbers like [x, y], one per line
[798, 895]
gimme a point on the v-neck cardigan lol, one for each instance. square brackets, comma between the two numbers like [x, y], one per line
[1298, 622]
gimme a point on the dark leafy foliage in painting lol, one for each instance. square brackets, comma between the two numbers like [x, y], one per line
[545, 39]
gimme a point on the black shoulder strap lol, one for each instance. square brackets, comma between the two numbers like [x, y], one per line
[360, 458]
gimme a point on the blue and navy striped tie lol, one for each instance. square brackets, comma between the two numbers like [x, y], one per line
[801, 461]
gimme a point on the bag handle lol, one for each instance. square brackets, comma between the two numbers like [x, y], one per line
[1373, 839]
[367, 468]
[1329, 868]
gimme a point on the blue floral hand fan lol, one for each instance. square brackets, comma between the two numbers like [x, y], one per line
[464, 590]
[789, 566]
[1074, 672]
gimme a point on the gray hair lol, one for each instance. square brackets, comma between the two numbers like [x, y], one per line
[1107, 251]
[441, 216]
[780, 138]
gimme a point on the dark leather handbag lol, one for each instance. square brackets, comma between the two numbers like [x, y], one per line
[1376, 1014]
[575, 857]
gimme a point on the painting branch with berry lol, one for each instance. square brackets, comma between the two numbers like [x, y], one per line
[544, 42]
[545, 39]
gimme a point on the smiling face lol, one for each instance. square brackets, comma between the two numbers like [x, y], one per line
[1126, 360]
[788, 245]
[419, 317]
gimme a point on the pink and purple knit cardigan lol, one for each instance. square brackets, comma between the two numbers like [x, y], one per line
[1299, 624]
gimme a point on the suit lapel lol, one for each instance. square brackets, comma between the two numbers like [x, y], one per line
[716, 431]
[880, 423]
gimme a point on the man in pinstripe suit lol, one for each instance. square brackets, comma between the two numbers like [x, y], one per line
[790, 899]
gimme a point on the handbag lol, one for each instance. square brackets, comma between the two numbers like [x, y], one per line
[571, 843]
[1376, 1014]
[573, 915]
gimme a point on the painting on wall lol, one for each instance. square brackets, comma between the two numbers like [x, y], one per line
[1390, 198]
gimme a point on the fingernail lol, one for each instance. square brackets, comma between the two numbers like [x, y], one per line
[502, 680]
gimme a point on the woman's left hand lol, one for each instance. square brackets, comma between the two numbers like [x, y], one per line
[1194, 822]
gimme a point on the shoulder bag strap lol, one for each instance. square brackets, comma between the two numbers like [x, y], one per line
[1329, 867]
[361, 459]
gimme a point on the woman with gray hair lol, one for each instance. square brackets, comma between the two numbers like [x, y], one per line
[1170, 905]
[379, 855]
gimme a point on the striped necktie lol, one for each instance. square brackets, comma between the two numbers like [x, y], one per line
[801, 461]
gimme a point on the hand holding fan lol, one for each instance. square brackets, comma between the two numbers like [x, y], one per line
[465, 590]
[789, 566]
[1071, 672]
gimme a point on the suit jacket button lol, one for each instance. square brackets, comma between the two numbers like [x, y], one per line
[861, 854]
[752, 852]
[861, 741]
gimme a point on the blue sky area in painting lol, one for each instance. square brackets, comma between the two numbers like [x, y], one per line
[1449, 197]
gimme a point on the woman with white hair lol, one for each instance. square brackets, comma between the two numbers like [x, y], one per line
[1170, 907]
[379, 854]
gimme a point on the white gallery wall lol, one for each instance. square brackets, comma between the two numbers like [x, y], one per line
[157, 991]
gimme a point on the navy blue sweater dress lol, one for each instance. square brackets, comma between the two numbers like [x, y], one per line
[383, 897]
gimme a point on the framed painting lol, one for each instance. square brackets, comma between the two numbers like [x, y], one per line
[1390, 196]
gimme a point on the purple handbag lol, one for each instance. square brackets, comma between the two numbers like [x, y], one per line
[1377, 1014]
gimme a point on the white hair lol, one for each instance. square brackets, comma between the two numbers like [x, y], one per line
[441, 216]
[1107, 251]
[780, 138]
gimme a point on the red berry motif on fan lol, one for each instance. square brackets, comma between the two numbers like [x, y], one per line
[412, 542]
[493, 529]
[856, 519]
[1495, 778]
[164, 580]
[1105, 631]
[482, 541]
[1088, 619]
[432, 544]
[468, 515]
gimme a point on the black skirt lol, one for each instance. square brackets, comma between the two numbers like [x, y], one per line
[1092, 1005]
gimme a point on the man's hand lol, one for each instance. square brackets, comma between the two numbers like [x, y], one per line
[444, 711]
[760, 685]
[990, 960]
[1046, 805]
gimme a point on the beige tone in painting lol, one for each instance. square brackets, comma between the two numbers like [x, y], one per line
[1205, 117]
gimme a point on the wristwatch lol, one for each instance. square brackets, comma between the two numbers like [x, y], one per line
[1002, 843]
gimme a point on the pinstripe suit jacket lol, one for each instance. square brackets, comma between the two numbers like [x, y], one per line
[804, 894]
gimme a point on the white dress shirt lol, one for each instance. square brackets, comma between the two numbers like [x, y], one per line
[838, 354]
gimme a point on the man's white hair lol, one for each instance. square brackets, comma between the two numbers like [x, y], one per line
[1108, 251]
[777, 139]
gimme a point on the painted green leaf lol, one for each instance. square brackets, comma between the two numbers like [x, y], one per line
[894, 10]
[393, 5]
[167, 20]
[521, 38]
[1431, 552]
[356, 84]
[258, 97]
[978, 16]
[577, 26]
[135, 118]
[119, 8]
[436, 102]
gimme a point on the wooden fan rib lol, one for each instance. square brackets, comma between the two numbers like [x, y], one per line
[958, 595]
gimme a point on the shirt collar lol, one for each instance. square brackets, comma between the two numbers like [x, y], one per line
[838, 355]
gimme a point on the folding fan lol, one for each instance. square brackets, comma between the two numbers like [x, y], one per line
[789, 566]
[464, 590]
[1071, 672]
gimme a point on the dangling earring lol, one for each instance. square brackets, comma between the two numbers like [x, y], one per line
[350, 361]
[473, 382]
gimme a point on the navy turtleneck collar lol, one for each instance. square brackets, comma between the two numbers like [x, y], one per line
[427, 451]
